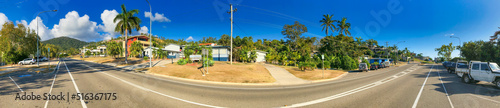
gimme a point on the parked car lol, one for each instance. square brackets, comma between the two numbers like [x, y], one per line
[373, 67]
[387, 64]
[44, 59]
[381, 65]
[445, 63]
[363, 67]
[480, 71]
[27, 61]
[450, 67]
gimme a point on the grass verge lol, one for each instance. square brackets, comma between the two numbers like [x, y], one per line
[220, 72]
[317, 74]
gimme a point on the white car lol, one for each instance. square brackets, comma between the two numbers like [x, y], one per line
[27, 61]
[479, 71]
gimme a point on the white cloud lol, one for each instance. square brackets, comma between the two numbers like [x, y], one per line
[157, 17]
[43, 31]
[190, 38]
[23, 22]
[451, 34]
[108, 26]
[144, 29]
[3, 20]
[76, 27]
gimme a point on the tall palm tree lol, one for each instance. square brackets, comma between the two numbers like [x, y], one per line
[343, 27]
[327, 23]
[126, 22]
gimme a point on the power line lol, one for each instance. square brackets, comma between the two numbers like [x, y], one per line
[241, 29]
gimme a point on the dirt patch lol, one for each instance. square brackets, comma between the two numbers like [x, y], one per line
[220, 72]
[317, 74]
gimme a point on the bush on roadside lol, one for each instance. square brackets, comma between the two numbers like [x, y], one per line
[182, 61]
[307, 65]
[146, 58]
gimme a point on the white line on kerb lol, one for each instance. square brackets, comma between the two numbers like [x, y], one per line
[76, 87]
[448, 96]
[50, 91]
[146, 89]
[359, 89]
[421, 89]
[16, 84]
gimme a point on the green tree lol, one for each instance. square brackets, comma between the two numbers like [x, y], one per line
[126, 22]
[344, 27]
[114, 48]
[445, 51]
[253, 56]
[293, 33]
[136, 49]
[327, 23]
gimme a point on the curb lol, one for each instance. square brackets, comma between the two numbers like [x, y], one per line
[331, 79]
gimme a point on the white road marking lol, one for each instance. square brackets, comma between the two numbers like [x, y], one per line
[359, 89]
[421, 89]
[76, 87]
[485, 98]
[448, 96]
[16, 84]
[146, 89]
[50, 91]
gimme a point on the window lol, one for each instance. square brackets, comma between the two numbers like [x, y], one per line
[484, 67]
[475, 66]
[494, 66]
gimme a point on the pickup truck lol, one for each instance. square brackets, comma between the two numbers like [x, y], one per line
[479, 71]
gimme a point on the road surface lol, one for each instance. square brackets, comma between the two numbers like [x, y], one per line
[428, 86]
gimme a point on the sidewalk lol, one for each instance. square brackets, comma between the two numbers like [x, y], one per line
[145, 65]
[283, 77]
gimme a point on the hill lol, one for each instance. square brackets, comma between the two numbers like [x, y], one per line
[66, 42]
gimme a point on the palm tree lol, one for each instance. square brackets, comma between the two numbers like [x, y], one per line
[495, 36]
[327, 23]
[126, 22]
[343, 27]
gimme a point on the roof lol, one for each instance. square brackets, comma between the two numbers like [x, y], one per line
[260, 51]
[220, 46]
[207, 44]
[141, 36]
[172, 44]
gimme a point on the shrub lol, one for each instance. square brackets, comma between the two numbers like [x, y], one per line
[307, 65]
[182, 61]
[145, 58]
[327, 65]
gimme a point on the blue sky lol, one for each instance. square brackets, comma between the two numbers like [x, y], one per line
[423, 24]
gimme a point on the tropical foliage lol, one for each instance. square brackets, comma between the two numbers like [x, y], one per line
[136, 49]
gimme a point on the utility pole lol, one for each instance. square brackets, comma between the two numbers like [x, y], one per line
[150, 35]
[231, 12]
[37, 39]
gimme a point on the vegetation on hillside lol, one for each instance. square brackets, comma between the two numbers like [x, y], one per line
[66, 43]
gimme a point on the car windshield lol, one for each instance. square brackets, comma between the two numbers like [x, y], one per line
[494, 66]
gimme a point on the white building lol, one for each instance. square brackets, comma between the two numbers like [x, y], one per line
[261, 56]
[173, 50]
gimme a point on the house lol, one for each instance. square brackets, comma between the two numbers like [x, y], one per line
[379, 60]
[147, 52]
[144, 40]
[220, 53]
[261, 56]
[173, 50]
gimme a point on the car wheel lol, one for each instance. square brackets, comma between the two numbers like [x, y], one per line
[497, 83]
[466, 79]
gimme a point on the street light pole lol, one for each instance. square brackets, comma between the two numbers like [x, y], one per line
[231, 57]
[150, 35]
[460, 43]
[37, 39]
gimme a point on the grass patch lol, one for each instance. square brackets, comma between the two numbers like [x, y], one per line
[108, 59]
[220, 72]
[317, 74]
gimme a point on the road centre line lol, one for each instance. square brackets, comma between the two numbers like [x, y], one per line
[76, 87]
[448, 96]
[359, 89]
[421, 89]
[267, 88]
[16, 84]
[146, 89]
[51, 86]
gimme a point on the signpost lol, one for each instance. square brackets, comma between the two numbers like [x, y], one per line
[48, 56]
[323, 65]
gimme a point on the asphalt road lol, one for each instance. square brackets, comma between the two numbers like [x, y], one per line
[411, 85]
